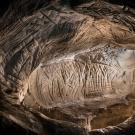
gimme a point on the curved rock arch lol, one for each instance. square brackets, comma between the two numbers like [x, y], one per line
[73, 44]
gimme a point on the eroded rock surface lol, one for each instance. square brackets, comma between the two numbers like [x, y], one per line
[75, 66]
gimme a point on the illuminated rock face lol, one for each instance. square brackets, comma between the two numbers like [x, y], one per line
[70, 67]
[81, 78]
[91, 80]
[87, 76]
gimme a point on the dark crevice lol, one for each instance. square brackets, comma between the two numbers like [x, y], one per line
[7, 127]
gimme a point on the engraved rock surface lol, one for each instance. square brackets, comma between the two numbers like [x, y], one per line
[69, 70]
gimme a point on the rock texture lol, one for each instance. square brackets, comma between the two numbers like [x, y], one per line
[68, 69]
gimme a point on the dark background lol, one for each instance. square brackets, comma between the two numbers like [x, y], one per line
[9, 128]
[131, 3]
[4, 5]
